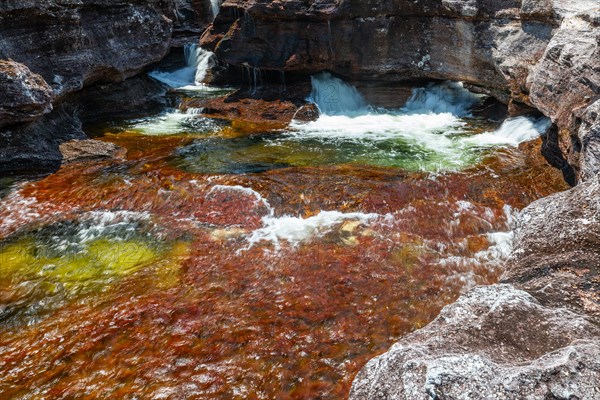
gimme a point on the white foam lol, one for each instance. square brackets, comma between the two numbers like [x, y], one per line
[215, 7]
[175, 122]
[334, 96]
[447, 97]
[198, 61]
[512, 132]
[296, 230]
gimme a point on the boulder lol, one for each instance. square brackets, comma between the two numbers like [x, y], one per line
[25, 96]
[495, 342]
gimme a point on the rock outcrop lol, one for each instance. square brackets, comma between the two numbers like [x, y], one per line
[53, 49]
[74, 44]
[25, 95]
[495, 342]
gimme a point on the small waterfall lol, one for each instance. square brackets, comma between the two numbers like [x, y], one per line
[334, 96]
[215, 7]
[447, 97]
[513, 132]
[254, 76]
[197, 63]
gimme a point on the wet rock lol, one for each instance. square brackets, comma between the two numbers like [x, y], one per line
[307, 113]
[25, 95]
[494, 342]
[90, 150]
[263, 110]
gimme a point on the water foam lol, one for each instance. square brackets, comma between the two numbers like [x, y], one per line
[175, 122]
[438, 98]
[512, 132]
[334, 96]
[197, 61]
[296, 230]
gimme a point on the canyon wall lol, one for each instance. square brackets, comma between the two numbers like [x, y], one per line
[52, 49]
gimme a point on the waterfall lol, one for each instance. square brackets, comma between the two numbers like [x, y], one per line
[197, 63]
[447, 97]
[334, 96]
[215, 6]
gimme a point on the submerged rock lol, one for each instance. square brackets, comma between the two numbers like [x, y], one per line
[25, 95]
[495, 342]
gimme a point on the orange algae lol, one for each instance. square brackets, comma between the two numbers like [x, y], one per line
[219, 317]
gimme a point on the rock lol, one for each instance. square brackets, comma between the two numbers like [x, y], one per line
[556, 253]
[589, 137]
[34, 148]
[76, 43]
[90, 150]
[495, 342]
[25, 95]
[306, 113]
[566, 81]
[388, 41]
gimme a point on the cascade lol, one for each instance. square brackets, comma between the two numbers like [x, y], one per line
[215, 7]
[448, 97]
[197, 63]
[334, 96]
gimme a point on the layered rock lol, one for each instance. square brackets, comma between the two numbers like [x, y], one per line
[25, 95]
[54, 49]
[74, 44]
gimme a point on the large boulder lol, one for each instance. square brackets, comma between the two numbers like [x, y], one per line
[495, 342]
[25, 95]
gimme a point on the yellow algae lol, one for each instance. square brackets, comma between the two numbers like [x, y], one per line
[168, 272]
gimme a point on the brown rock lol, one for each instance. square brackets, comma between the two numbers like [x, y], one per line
[90, 150]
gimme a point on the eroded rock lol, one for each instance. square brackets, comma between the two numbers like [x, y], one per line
[25, 95]
[495, 342]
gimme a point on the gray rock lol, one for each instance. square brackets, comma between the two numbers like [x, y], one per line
[556, 254]
[495, 342]
[589, 137]
[25, 95]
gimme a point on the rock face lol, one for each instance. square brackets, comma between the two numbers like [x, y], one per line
[25, 95]
[520, 51]
[495, 342]
[74, 44]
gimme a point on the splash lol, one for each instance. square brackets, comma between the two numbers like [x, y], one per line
[215, 7]
[512, 132]
[448, 97]
[197, 60]
[334, 96]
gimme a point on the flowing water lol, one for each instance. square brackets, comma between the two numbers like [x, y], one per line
[219, 264]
